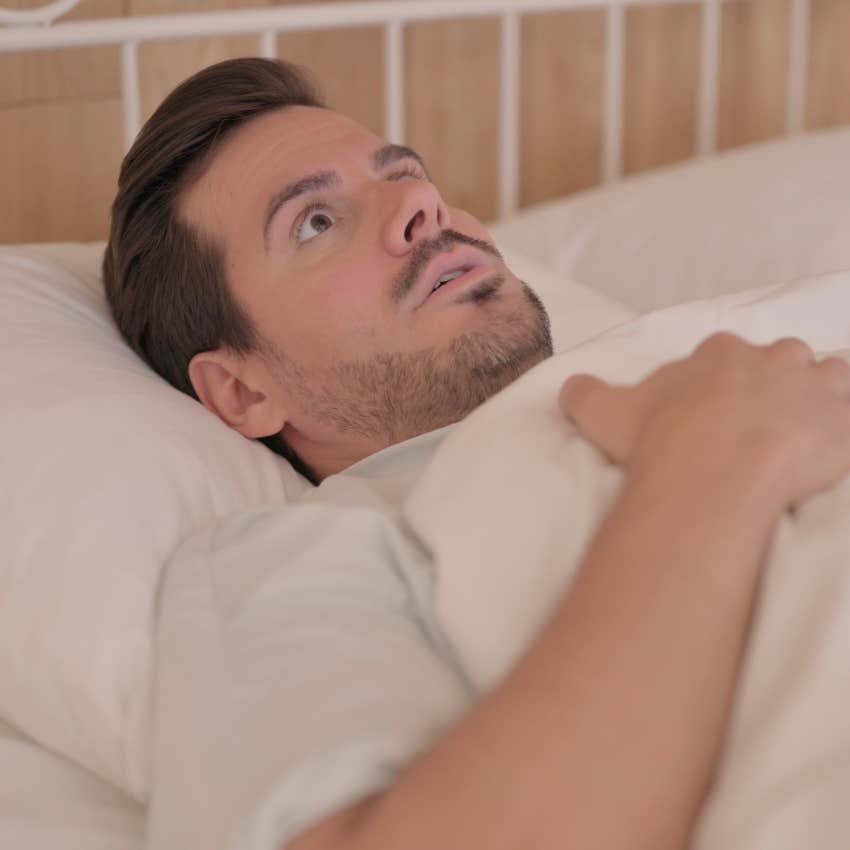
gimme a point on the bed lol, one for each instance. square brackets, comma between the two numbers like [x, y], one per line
[92, 439]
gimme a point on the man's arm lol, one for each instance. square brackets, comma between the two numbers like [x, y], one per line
[606, 734]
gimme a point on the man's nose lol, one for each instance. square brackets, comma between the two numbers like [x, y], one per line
[418, 213]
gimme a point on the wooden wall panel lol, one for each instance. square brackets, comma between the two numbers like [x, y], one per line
[336, 59]
[348, 67]
[828, 98]
[163, 65]
[452, 80]
[43, 76]
[61, 131]
[753, 71]
[62, 161]
[661, 85]
[562, 79]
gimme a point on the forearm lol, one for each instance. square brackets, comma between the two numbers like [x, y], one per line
[606, 734]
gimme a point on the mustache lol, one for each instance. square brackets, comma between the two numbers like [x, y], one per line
[427, 249]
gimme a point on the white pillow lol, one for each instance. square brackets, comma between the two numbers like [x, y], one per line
[761, 215]
[106, 468]
[576, 312]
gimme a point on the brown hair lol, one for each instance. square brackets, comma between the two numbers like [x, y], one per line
[165, 282]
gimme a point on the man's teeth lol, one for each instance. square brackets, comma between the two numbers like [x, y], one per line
[445, 278]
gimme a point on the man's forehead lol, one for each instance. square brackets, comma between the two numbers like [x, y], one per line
[298, 134]
[277, 146]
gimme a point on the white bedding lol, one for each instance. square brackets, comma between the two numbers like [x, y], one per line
[513, 495]
[76, 672]
[496, 498]
[764, 214]
[111, 469]
[49, 803]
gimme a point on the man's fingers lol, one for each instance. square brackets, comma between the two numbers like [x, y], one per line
[603, 413]
[793, 349]
[837, 372]
[576, 396]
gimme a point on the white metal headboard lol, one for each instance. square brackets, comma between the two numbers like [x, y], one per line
[268, 22]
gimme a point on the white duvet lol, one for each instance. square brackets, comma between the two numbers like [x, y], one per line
[48, 802]
[513, 494]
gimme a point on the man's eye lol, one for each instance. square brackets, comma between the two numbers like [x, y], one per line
[314, 222]
[407, 174]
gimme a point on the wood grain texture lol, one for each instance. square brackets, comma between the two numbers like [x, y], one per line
[562, 78]
[753, 71]
[61, 166]
[828, 93]
[661, 85]
[452, 115]
[60, 120]
[163, 65]
[348, 67]
[43, 75]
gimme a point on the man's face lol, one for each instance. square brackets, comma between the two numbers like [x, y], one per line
[333, 243]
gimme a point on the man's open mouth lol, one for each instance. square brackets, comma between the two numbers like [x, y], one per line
[451, 270]
[450, 276]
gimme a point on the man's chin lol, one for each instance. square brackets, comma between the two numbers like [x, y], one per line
[492, 359]
[390, 397]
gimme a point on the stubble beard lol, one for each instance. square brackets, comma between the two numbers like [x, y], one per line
[391, 397]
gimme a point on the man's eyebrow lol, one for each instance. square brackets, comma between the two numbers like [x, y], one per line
[389, 154]
[310, 183]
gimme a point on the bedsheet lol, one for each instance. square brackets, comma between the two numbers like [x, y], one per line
[48, 802]
[492, 507]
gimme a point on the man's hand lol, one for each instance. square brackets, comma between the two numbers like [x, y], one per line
[728, 405]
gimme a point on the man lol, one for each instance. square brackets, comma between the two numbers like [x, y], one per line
[307, 283]
[334, 245]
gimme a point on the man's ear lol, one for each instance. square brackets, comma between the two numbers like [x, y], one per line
[238, 391]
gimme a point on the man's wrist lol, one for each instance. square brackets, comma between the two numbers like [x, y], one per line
[742, 502]
[750, 485]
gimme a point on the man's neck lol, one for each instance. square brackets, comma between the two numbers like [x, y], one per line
[319, 458]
